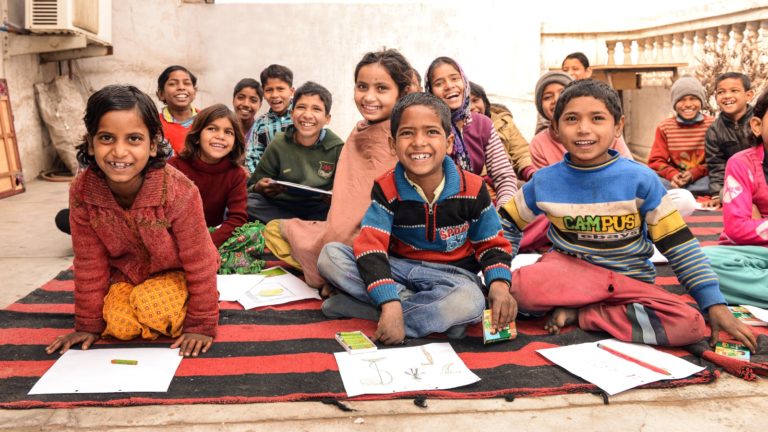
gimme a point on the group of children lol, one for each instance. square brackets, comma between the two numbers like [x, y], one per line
[425, 199]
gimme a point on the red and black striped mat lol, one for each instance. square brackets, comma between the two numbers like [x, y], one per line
[285, 353]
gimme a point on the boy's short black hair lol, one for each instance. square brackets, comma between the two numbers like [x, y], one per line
[477, 90]
[735, 75]
[310, 88]
[761, 107]
[166, 74]
[578, 56]
[593, 88]
[205, 117]
[395, 64]
[276, 71]
[249, 83]
[424, 99]
[121, 98]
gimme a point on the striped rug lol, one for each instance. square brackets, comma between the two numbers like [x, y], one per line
[285, 353]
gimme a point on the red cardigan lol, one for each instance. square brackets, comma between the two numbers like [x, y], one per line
[163, 230]
[223, 188]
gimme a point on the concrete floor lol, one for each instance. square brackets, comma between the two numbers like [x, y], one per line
[32, 251]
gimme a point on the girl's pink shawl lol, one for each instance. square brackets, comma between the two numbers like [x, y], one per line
[366, 156]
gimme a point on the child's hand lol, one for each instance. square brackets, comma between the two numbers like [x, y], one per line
[391, 329]
[720, 318]
[192, 344]
[677, 181]
[686, 177]
[65, 342]
[268, 187]
[503, 305]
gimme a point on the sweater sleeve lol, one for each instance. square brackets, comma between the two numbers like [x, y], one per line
[198, 256]
[236, 207]
[715, 161]
[268, 165]
[738, 192]
[658, 158]
[538, 157]
[676, 242]
[492, 250]
[91, 268]
[499, 169]
[371, 249]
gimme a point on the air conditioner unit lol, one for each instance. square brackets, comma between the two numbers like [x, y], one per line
[92, 18]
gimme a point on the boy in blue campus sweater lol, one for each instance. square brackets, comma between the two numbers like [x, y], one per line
[429, 230]
[605, 214]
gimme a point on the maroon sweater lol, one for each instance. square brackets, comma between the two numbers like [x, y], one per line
[163, 230]
[223, 188]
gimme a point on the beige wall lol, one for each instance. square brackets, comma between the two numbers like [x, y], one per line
[644, 109]
[223, 43]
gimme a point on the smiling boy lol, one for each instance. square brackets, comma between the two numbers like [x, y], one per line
[606, 213]
[277, 83]
[430, 228]
[306, 153]
[730, 133]
[677, 154]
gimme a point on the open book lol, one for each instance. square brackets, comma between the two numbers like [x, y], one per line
[300, 189]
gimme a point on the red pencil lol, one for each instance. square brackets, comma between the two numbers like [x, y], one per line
[634, 360]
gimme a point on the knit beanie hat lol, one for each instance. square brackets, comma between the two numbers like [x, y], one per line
[687, 85]
[548, 78]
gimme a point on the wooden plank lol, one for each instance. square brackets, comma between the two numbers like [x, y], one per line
[11, 179]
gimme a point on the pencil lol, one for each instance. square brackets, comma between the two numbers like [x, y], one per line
[629, 358]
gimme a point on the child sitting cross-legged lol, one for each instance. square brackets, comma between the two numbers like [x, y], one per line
[606, 212]
[306, 153]
[430, 228]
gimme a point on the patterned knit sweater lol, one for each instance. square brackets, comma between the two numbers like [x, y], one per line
[461, 228]
[611, 215]
[679, 147]
[163, 230]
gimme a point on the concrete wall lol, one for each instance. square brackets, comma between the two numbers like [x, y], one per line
[223, 43]
[644, 109]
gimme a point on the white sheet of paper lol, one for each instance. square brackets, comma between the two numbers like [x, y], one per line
[92, 371]
[391, 370]
[759, 313]
[278, 289]
[521, 260]
[232, 287]
[614, 374]
[700, 206]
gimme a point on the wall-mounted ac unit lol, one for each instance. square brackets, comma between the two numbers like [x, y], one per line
[92, 18]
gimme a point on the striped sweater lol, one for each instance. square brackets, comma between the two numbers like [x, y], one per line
[461, 228]
[611, 215]
[679, 147]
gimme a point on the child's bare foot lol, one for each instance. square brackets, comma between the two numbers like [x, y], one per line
[560, 318]
[327, 290]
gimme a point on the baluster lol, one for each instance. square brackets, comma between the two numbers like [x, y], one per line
[738, 36]
[641, 54]
[627, 46]
[611, 46]
[649, 50]
[763, 37]
[667, 51]
[700, 42]
[687, 52]
[658, 43]
[723, 37]
[677, 47]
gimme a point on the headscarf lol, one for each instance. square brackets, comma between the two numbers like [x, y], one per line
[460, 154]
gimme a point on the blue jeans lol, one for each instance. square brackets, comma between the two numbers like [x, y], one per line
[699, 187]
[435, 297]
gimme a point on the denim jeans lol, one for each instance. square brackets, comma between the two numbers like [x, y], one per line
[699, 187]
[435, 297]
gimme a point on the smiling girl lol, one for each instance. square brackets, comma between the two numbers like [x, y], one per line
[177, 88]
[144, 263]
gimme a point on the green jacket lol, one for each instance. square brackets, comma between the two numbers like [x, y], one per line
[287, 160]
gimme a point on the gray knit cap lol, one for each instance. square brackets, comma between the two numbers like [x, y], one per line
[548, 78]
[687, 85]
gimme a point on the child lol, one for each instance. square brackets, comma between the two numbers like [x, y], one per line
[513, 140]
[415, 85]
[546, 148]
[477, 145]
[439, 226]
[380, 79]
[246, 100]
[677, 153]
[277, 82]
[211, 159]
[144, 262]
[742, 261]
[177, 88]
[306, 153]
[577, 66]
[606, 213]
[730, 133]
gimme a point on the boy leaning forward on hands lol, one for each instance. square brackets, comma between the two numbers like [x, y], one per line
[606, 213]
[430, 228]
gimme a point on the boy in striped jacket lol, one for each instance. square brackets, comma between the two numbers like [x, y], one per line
[430, 228]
